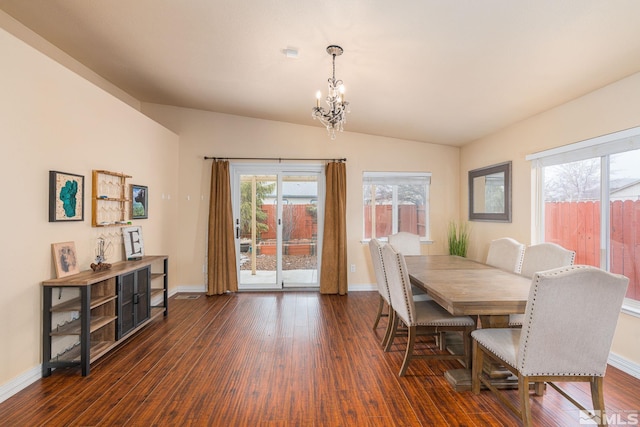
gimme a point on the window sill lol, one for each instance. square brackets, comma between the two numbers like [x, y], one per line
[631, 307]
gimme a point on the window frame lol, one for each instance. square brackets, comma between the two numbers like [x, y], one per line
[388, 178]
[601, 147]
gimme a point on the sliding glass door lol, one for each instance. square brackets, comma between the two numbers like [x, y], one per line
[277, 212]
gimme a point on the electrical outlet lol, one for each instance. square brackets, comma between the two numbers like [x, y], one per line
[353, 268]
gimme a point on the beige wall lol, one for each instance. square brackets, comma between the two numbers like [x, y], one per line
[613, 108]
[212, 134]
[52, 119]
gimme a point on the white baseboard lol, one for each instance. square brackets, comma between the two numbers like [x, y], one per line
[624, 365]
[190, 288]
[20, 382]
[362, 287]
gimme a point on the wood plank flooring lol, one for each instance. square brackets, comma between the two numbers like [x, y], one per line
[277, 359]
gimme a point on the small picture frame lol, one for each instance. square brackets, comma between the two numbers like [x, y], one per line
[133, 243]
[139, 201]
[65, 259]
[66, 197]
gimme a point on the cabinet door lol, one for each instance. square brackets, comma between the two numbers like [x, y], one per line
[126, 306]
[143, 295]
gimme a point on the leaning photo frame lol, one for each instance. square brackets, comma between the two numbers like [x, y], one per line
[133, 243]
[65, 259]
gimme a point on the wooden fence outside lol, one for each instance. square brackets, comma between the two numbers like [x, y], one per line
[576, 226]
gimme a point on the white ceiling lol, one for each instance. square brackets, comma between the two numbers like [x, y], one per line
[441, 71]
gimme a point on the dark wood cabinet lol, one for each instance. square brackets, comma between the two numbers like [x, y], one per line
[93, 312]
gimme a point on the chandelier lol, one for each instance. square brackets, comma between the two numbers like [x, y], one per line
[335, 117]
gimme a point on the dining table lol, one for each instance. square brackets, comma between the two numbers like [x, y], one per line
[466, 287]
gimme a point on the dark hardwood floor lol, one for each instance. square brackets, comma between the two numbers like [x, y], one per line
[277, 359]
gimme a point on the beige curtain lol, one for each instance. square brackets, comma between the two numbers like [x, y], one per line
[222, 274]
[333, 276]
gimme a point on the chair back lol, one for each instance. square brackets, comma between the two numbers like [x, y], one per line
[399, 285]
[545, 256]
[569, 321]
[506, 254]
[378, 267]
[406, 243]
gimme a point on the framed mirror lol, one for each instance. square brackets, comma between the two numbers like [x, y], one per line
[490, 193]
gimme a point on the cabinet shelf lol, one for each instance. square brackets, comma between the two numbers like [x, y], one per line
[75, 327]
[74, 304]
[97, 349]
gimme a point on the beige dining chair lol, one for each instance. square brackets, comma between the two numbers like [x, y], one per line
[424, 314]
[541, 257]
[569, 323]
[545, 256]
[505, 254]
[408, 244]
[384, 304]
[375, 248]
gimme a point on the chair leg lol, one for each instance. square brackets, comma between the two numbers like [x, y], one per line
[387, 332]
[597, 397]
[379, 314]
[392, 334]
[525, 407]
[411, 339]
[476, 368]
[466, 343]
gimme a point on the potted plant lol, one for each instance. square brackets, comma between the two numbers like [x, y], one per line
[458, 236]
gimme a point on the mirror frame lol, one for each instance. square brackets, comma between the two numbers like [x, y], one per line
[489, 170]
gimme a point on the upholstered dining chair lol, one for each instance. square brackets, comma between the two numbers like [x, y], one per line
[423, 314]
[545, 256]
[408, 244]
[505, 254]
[541, 257]
[375, 248]
[568, 328]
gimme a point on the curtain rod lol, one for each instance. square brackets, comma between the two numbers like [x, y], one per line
[280, 159]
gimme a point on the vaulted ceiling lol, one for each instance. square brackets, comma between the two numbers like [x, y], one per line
[441, 71]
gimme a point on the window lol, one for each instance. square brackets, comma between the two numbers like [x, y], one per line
[396, 201]
[589, 202]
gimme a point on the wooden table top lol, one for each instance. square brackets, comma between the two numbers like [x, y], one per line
[466, 287]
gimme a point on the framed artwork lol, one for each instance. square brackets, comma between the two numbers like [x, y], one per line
[133, 243]
[66, 197]
[139, 199]
[64, 258]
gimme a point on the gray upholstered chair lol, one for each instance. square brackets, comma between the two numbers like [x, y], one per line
[541, 257]
[375, 248]
[424, 314]
[569, 323]
[505, 254]
[406, 243]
